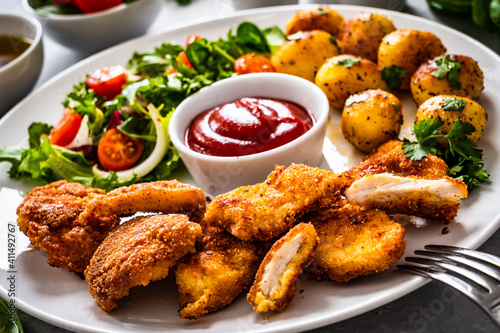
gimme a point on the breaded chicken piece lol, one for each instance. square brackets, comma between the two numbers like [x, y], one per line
[276, 280]
[354, 242]
[390, 158]
[266, 210]
[137, 252]
[165, 196]
[212, 277]
[435, 199]
[49, 217]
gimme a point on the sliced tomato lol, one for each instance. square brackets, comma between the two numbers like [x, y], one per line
[253, 63]
[91, 6]
[117, 151]
[108, 81]
[66, 130]
[192, 38]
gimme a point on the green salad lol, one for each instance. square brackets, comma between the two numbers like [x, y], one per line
[115, 126]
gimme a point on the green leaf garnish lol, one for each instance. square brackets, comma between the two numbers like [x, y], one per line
[453, 104]
[347, 62]
[333, 40]
[356, 98]
[393, 76]
[448, 68]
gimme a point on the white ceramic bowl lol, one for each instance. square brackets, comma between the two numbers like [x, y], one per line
[19, 75]
[216, 174]
[89, 33]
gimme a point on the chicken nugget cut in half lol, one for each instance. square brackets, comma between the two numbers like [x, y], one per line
[276, 280]
[354, 242]
[212, 277]
[137, 252]
[436, 199]
[266, 210]
[49, 216]
[165, 196]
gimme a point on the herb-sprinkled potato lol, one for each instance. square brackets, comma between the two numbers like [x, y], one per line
[320, 18]
[363, 34]
[344, 75]
[371, 118]
[408, 49]
[303, 55]
[448, 74]
[449, 108]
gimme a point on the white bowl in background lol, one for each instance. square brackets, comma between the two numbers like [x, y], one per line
[20, 75]
[216, 174]
[92, 32]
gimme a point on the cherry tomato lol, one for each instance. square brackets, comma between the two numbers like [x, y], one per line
[65, 2]
[192, 38]
[67, 128]
[117, 151]
[252, 63]
[90, 6]
[181, 58]
[108, 81]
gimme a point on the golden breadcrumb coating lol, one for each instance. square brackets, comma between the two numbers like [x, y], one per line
[49, 216]
[354, 242]
[137, 252]
[266, 210]
[212, 277]
[276, 280]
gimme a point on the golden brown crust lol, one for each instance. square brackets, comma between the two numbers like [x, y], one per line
[49, 216]
[212, 278]
[137, 252]
[266, 210]
[319, 18]
[354, 242]
[274, 293]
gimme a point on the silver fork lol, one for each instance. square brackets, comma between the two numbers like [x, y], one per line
[476, 274]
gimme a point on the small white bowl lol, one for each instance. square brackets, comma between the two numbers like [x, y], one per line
[92, 32]
[216, 174]
[20, 75]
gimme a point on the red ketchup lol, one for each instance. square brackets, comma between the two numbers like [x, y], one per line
[247, 126]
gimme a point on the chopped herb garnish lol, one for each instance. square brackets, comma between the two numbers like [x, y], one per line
[453, 104]
[392, 76]
[347, 62]
[333, 40]
[396, 107]
[356, 99]
[448, 68]
[321, 11]
[461, 154]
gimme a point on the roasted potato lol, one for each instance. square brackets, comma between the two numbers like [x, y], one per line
[449, 108]
[363, 34]
[408, 49]
[304, 55]
[320, 18]
[428, 81]
[344, 75]
[371, 118]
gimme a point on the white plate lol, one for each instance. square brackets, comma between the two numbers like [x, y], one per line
[61, 298]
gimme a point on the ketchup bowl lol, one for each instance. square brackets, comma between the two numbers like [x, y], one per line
[219, 174]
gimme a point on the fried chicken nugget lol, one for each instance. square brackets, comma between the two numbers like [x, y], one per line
[212, 277]
[276, 280]
[354, 242]
[137, 252]
[49, 216]
[267, 210]
[165, 196]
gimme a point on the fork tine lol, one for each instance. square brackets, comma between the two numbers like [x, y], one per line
[465, 261]
[445, 267]
[489, 258]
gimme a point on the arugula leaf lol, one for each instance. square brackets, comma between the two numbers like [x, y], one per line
[393, 75]
[250, 35]
[461, 153]
[9, 320]
[448, 68]
[347, 62]
[356, 98]
[453, 104]
[274, 37]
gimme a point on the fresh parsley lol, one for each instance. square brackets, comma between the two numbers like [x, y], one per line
[393, 76]
[453, 104]
[356, 98]
[446, 67]
[333, 40]
[347, 62]
[460, 153]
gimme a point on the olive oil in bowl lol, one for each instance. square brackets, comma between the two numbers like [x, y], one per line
[12, 47]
